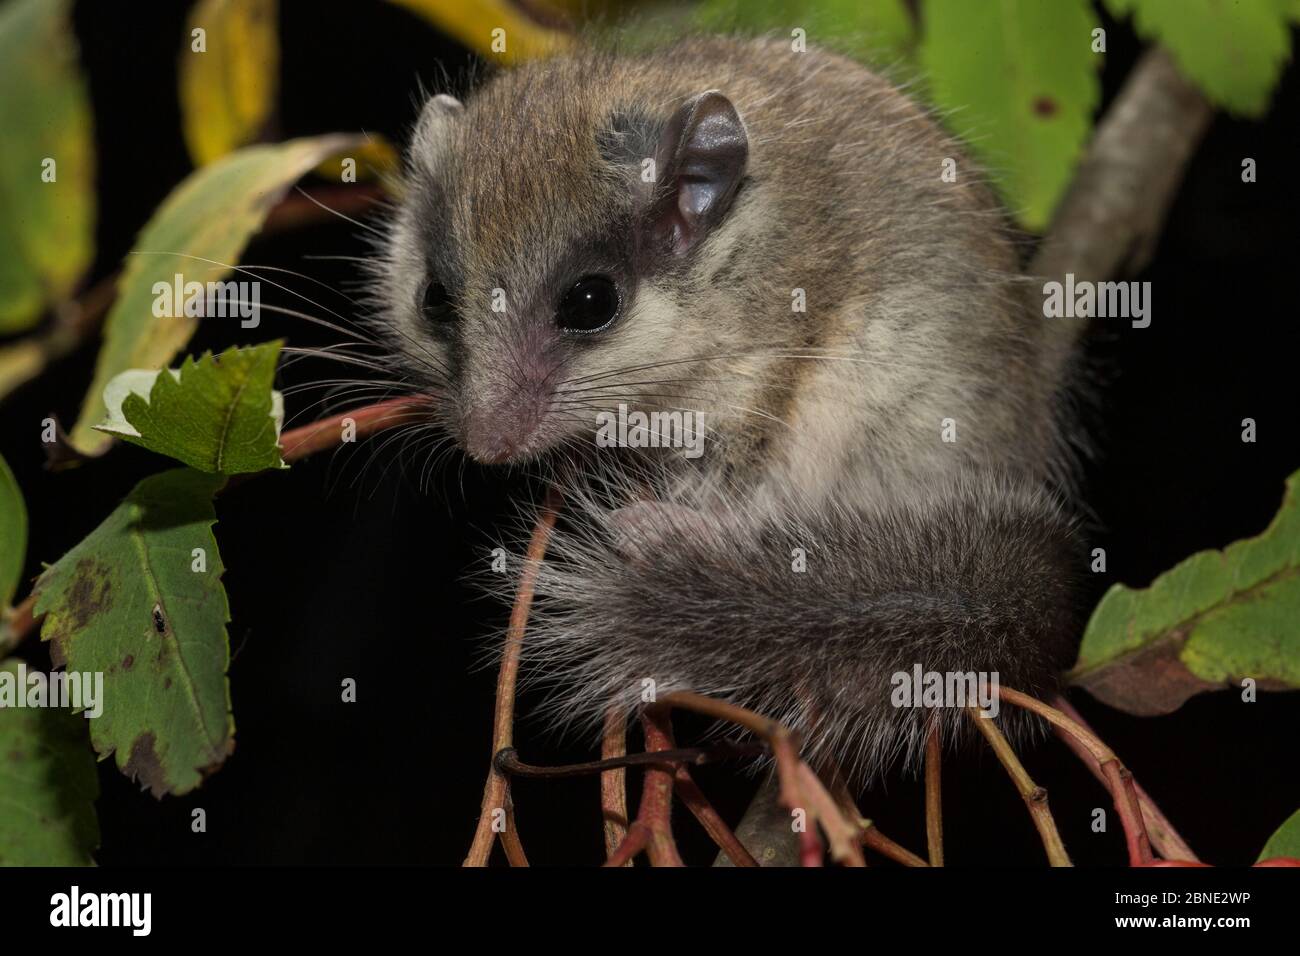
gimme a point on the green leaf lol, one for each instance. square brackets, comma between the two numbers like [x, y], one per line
[218, 414]
[13, 535]
[47, 229]
[1234, 50]
[880, 32]
[1285, 841]
[48, 785]
[199, 232]
[1216, 618]
[1018, 80]
[227, 90]
[132, 601]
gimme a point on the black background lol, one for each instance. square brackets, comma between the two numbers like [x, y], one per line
[343, 568]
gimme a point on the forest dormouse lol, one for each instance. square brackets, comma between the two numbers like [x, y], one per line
[764, 238]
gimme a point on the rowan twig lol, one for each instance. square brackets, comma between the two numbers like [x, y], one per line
[327, 433]
[613, 782]
[793, 797]
[1120, 782]
[869, 833]
[638, 837]
[1035, 797]
[934, 795]
[800, 787]
[695, 800]
[757, 724]
[295, 444]
[496, 789]
[652, 829]
[1167, 841]
[508, 762]
[1109, 770]
[875, 840]
[510, 835]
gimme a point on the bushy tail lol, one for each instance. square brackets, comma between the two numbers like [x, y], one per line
[809, 614]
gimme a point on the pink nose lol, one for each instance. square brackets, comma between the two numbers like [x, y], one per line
[490, 452]
[494, 436]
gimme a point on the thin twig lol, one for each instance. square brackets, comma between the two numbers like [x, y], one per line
[508, 762]
[652, 829]
[757, 724]
[873, 839]
[794, 799]
[497, 789]
[1168, 842]
[657, 791]
[869, 833]
[934, 796]
[327, 433]
[613, 782]
[510, 835]
[1093, 750]
[1035, 797]
[637, 839]
[695, 800]
[1130, 814]
[800, 787]
[295, 444]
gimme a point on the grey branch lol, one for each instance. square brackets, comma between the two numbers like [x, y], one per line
[1110, 220]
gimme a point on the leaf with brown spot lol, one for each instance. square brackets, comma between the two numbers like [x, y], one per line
[1019, 82]
[166, 697]
[1213, 620]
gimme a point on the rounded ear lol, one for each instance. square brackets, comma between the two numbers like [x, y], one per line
[700, 160]
[438, 112]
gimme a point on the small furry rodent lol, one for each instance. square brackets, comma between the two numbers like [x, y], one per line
[606, 229]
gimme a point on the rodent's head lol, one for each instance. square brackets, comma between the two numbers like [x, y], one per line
[525, 277]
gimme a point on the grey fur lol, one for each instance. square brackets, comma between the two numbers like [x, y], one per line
[972, 574]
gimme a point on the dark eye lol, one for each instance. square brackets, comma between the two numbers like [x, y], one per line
[435, 303]
[589, 306]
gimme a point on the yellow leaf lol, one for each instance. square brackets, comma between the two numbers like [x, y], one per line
[497, 29]
[376, 158]
[228, 75]
[19, 363]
